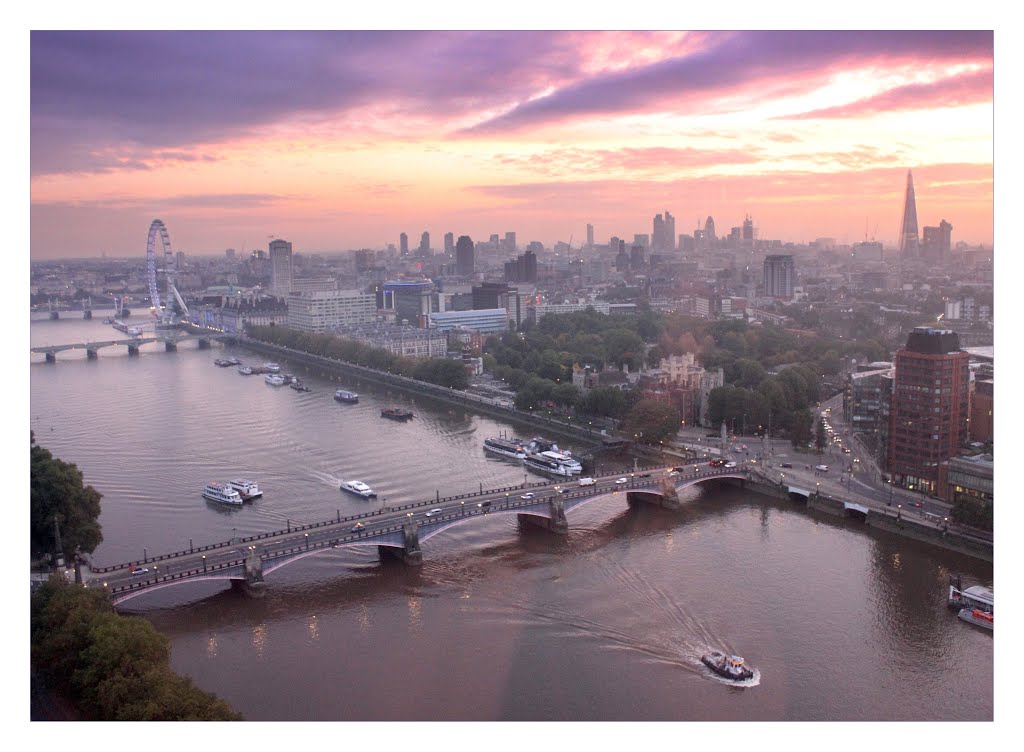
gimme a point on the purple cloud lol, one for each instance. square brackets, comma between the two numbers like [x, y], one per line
[733, 61]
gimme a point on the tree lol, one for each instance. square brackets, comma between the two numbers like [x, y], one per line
[820, 440]
[59, 494]
[651, 421]
[800, 428]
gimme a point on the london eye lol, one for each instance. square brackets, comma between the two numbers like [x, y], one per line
[165, 313]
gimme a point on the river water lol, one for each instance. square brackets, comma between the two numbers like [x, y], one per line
[501, 622]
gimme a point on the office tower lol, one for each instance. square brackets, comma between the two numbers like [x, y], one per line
[779, 277]
[411, 300]
[658, 233]
[590, 236]
[636, 258]
[709, 230]
[935, 242]
[510, 242]
[642, 239]
[403, 244]
[364, 260]
[280, 267]
[908, 228]
[464, 265]
[179, 260]
[748, 232]
[929, 408]
[613, 244]
[229, 254]
[449, 243]
[425, 243]
[522, 269]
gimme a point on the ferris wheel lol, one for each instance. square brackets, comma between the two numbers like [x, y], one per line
[157, 231]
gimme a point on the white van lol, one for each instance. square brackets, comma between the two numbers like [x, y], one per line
[587, 481]
[821, 468]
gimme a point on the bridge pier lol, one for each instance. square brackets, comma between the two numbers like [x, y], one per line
[650, 497]
[87, 314]
[54, 315]
[204, 344]
[556, 523]
[170, 346]
[133, 349]
[253, 584]
[51, 357]
[91, 353]
[410, 554]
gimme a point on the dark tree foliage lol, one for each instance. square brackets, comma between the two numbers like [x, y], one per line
[820, 439]
[800, 427]
[974, 514]
[651, 421]
[113, 667]
[58, 493]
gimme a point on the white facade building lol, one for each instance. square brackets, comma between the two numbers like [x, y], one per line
[323, 310]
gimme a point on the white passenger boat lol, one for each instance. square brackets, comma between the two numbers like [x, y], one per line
[548, 465]
[976, 596]
[274, 379]
[343, 395]
[245, 370]
[222, 493]
[505, 447]
[358, 488]
[247, 489]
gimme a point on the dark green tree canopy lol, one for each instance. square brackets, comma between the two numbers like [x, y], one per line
[59, 493]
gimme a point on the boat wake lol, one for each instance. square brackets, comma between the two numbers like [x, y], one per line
[328, 478]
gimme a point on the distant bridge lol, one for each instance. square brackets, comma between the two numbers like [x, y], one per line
[170, 339]
[397, 531]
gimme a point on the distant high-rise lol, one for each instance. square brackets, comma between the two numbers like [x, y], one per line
[522, 269]
[908, 228]
[510, 242]
[590, 236]
[935, 242]
[229, 253]
[449, 243]
[403, 244]
[642, 239]
[779, 276]
[425, 243]
[663, 236]
[658, 233]
[280, 267]
[748, 232]
[464, 265]
[709, 230]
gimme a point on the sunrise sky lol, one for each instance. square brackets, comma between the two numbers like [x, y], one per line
[337, 141]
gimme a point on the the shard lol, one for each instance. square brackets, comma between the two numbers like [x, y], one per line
[908, 228]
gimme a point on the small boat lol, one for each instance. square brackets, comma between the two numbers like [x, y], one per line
[272, 367]
[977, 617]
[343, 395]
[233, 361]
[274, 379]
[108, 321]
[223, 493]
[298, 386]
[358, 488]
[288, 378]
[245, 370]
[395, 413]
[247, 489]
[222, 362]
[134, 331]
[727, 666]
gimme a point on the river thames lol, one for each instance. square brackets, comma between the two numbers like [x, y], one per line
[501, 622]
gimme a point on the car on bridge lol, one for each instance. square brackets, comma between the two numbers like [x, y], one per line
[527, 496]
[140, 570]
[621, 481]
[484, 504]
[821, 468]
[587, 481]
[432, 512]
[730, 464]
[786, 465]
[716, 463]
[357, 527]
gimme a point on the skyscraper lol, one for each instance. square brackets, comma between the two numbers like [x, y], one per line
[929, 407]
[403, 244]
[670, 232]
[449, 242]
[663, 237]
[280, 267]
[464, 265]
[658, 233]
[748, 232]
[908, 228]
[935, 242]
[590, 236]
[779, 276]
[425, 243]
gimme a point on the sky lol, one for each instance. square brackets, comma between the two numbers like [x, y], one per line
[343, 140]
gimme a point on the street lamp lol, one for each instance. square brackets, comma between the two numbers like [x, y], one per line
[204, 562]
[463, 505]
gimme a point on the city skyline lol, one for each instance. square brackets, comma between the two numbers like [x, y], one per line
[233, 137]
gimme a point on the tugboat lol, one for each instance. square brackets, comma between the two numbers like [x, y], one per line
[395, 413]
[728, 667]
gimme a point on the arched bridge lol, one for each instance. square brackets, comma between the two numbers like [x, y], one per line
[170, 340]
[397, 531]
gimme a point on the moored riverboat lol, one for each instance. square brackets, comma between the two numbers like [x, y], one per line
[395, 413]
[343, 395]
[247, 489]
[512, 448]
[222, 493]
[977, 617]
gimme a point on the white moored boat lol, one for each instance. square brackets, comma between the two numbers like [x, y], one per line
[272, 367]
[358, 488]
[274, 379]
[247, 489]
[222, 493]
